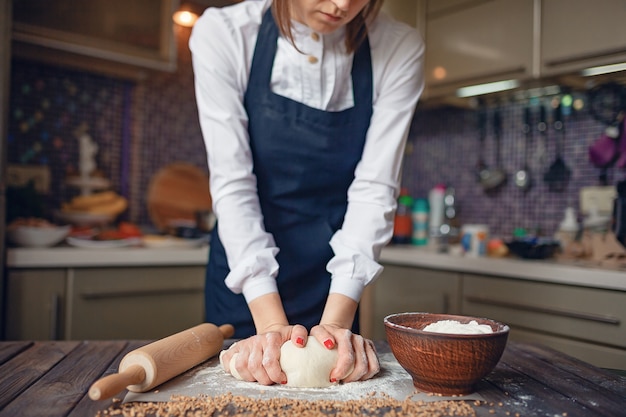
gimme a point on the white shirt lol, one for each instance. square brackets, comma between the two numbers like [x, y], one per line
[222, 45]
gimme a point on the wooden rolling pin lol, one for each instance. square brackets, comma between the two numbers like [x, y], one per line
[151, 365]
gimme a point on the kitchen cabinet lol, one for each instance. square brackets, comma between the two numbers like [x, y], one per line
[35, 300]
[412, 12]
[588, 323]
[99, 35]
[401, 289]
[578, 34]
[473, 42]
[104, 303]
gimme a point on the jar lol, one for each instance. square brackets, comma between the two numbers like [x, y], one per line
[420, 222]
[474, 239]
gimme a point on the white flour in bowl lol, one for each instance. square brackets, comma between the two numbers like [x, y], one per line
[456, 327]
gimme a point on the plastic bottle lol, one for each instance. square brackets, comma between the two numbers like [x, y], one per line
[568, 228]
[420, 222]
[436, 202]
[403, 223]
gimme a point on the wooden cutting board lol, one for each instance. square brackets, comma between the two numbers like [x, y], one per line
[177, 192]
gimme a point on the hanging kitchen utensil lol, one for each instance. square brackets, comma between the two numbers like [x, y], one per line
[541, 152]
[607, 104]
[621, 147]
[496, 176]
[558, 174]
[523, 179]
[482, 170]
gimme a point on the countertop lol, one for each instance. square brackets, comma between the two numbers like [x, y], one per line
[560, 272]
[52, 378]
[74, 257]
[569, 272]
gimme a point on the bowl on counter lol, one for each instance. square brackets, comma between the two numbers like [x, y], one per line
[533, 247]
[37, 236]
[444, 363]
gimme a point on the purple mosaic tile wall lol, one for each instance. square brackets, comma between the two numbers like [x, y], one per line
[444, 148]
[143, 126]
[47, 104]
[140, 127]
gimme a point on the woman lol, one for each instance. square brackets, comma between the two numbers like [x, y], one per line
[305, 106]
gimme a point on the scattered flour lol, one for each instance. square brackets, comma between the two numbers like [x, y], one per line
[456, 327]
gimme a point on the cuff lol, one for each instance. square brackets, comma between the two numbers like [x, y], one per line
[362, 272]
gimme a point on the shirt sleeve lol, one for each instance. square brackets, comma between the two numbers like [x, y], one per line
[220, 55]
[399, 81]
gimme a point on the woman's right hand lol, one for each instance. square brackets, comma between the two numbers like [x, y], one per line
[258, 356]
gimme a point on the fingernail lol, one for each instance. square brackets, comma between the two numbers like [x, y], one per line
[284, 382]
[333, 380]
[300, 341]
[329, 344]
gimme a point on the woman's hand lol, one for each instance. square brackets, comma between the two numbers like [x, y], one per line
[357, 359]
[258, 356]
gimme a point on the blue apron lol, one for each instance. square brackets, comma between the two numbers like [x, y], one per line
[304, 161]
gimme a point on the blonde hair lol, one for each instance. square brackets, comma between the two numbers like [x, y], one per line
[355, 29]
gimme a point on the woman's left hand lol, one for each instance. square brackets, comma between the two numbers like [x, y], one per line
[357, 360]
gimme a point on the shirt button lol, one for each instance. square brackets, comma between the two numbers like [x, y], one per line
[315, 36]
[312, 59]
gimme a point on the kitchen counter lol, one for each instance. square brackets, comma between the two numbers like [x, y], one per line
[568, 272]
[562, 272]
[53, 378]
[73, 257]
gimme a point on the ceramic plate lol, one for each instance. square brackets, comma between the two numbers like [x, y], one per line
[102, 244]
[160, 241]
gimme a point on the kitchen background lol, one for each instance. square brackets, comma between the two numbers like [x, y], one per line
[140, 126]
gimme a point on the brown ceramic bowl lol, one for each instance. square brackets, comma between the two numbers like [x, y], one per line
[444, 363]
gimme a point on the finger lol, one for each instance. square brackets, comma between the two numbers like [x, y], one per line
[271, 359]
[373, 361]
[323, 336]
[361, 364]
[255, 365]
[239, 365]
[345, 355]
[299, 335]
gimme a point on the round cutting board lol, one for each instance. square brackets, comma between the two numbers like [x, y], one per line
[177, 192]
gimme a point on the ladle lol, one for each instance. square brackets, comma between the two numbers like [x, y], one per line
[523, 179]
[482, 170]
[495, 177]
[558, 173]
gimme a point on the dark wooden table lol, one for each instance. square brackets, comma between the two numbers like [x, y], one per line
[52, 379]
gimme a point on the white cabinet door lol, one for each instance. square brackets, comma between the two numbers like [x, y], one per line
[476, 42]
[133, 303]
[111, 36]
[578, 34]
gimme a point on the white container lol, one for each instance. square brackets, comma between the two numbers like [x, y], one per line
[474, 238]
[436, 214]
[568, 228]
[37, 237]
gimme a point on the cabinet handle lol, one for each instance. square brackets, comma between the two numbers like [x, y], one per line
[55, 302]
[98, 295]
[554, 311]
[581, 58]
[509, 72]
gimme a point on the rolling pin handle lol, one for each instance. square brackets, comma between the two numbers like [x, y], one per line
[116, 383]
[227, 330]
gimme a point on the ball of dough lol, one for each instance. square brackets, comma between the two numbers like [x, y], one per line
[309, 366]
[231, 365]
[305, 367]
